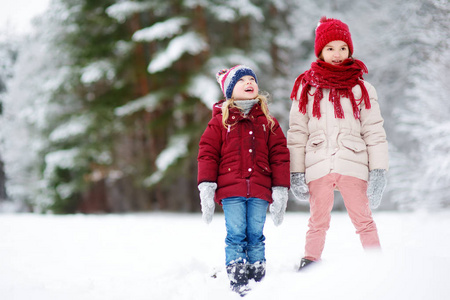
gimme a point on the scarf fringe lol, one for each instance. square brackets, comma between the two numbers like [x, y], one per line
[297, 83]
[318, 95]
[365, 96]
[356, 112]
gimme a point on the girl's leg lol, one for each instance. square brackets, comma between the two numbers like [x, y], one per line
[235, 209]
[354, 192]
[256, 217]
[321, 203]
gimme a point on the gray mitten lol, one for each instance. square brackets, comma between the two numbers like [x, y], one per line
[375, 189]
[207, 192]
[299, 187]
[278, 206]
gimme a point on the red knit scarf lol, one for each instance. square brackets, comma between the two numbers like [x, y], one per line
[340, 79]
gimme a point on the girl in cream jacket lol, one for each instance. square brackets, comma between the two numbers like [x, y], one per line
[336, 140]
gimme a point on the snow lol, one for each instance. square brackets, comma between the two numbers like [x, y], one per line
[96, 71]
[247, 8]
[121, 11]
[235, 9]
[224, 13]
[64, 159]
[191, 43]
[73, 127]
[163, 256]
[176, 149]
[147, 102]
[206, 89]
[160, 30]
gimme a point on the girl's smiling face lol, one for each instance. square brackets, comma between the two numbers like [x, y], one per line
[245, 89]
[335, 52]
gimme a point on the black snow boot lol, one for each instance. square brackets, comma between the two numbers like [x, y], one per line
[256, 271]
[304, 263]
[237, 273]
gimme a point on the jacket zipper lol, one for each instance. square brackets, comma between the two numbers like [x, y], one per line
[248, 187]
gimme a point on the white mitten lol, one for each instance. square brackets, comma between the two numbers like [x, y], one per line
[278, 206]
[375, 189]
[207, 191]
[299, 187]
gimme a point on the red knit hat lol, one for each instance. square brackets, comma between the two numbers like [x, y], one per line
[329, 30]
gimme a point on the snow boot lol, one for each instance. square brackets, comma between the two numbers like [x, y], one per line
[304, 263]
[256, 271]
[237, 273]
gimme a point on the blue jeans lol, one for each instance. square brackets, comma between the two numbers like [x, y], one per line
[244, 220]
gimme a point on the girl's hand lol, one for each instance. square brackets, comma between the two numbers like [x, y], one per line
[207, 191]
[375, 189]
[299, 187]
[278, 206]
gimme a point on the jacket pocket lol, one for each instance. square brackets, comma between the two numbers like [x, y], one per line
[263, 168]
[354, 150]
[227, 168]
[353, 143]
[316, 141]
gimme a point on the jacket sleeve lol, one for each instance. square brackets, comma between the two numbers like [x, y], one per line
[279, 157]
[209, 153]
[297, 136]
[373, 133]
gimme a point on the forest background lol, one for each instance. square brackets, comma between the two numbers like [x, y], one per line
[103, 105]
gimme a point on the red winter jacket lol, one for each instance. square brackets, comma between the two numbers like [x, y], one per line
[247, 159]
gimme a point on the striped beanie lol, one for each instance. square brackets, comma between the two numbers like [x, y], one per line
[329, 30]
[227, 78]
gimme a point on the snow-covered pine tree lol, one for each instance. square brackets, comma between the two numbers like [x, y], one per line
[61, 104]
[27, 118]
[424, 117]
[8, 55]
[185, 44]
[104, 72]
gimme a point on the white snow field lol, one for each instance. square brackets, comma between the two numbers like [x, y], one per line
[162, 256]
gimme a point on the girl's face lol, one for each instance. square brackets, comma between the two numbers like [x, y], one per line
[245, 89]
[335, 52]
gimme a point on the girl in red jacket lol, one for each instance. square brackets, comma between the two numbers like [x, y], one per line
[243, 165]
[336, 139]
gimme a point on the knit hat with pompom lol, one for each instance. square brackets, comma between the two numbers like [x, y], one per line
[329, 30]
[227, 78]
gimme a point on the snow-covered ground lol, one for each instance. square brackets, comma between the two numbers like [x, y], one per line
[172, 256]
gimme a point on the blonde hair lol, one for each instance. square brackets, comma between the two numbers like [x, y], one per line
[228, 104]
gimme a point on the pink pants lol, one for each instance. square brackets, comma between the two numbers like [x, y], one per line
[353, 190]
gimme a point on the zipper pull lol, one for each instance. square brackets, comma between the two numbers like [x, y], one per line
[264, 127]
[229, 126]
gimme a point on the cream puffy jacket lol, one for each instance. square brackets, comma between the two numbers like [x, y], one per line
[346, 146]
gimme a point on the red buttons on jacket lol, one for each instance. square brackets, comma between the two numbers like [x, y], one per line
[250, 150]
[249, 169]
[251, 132]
